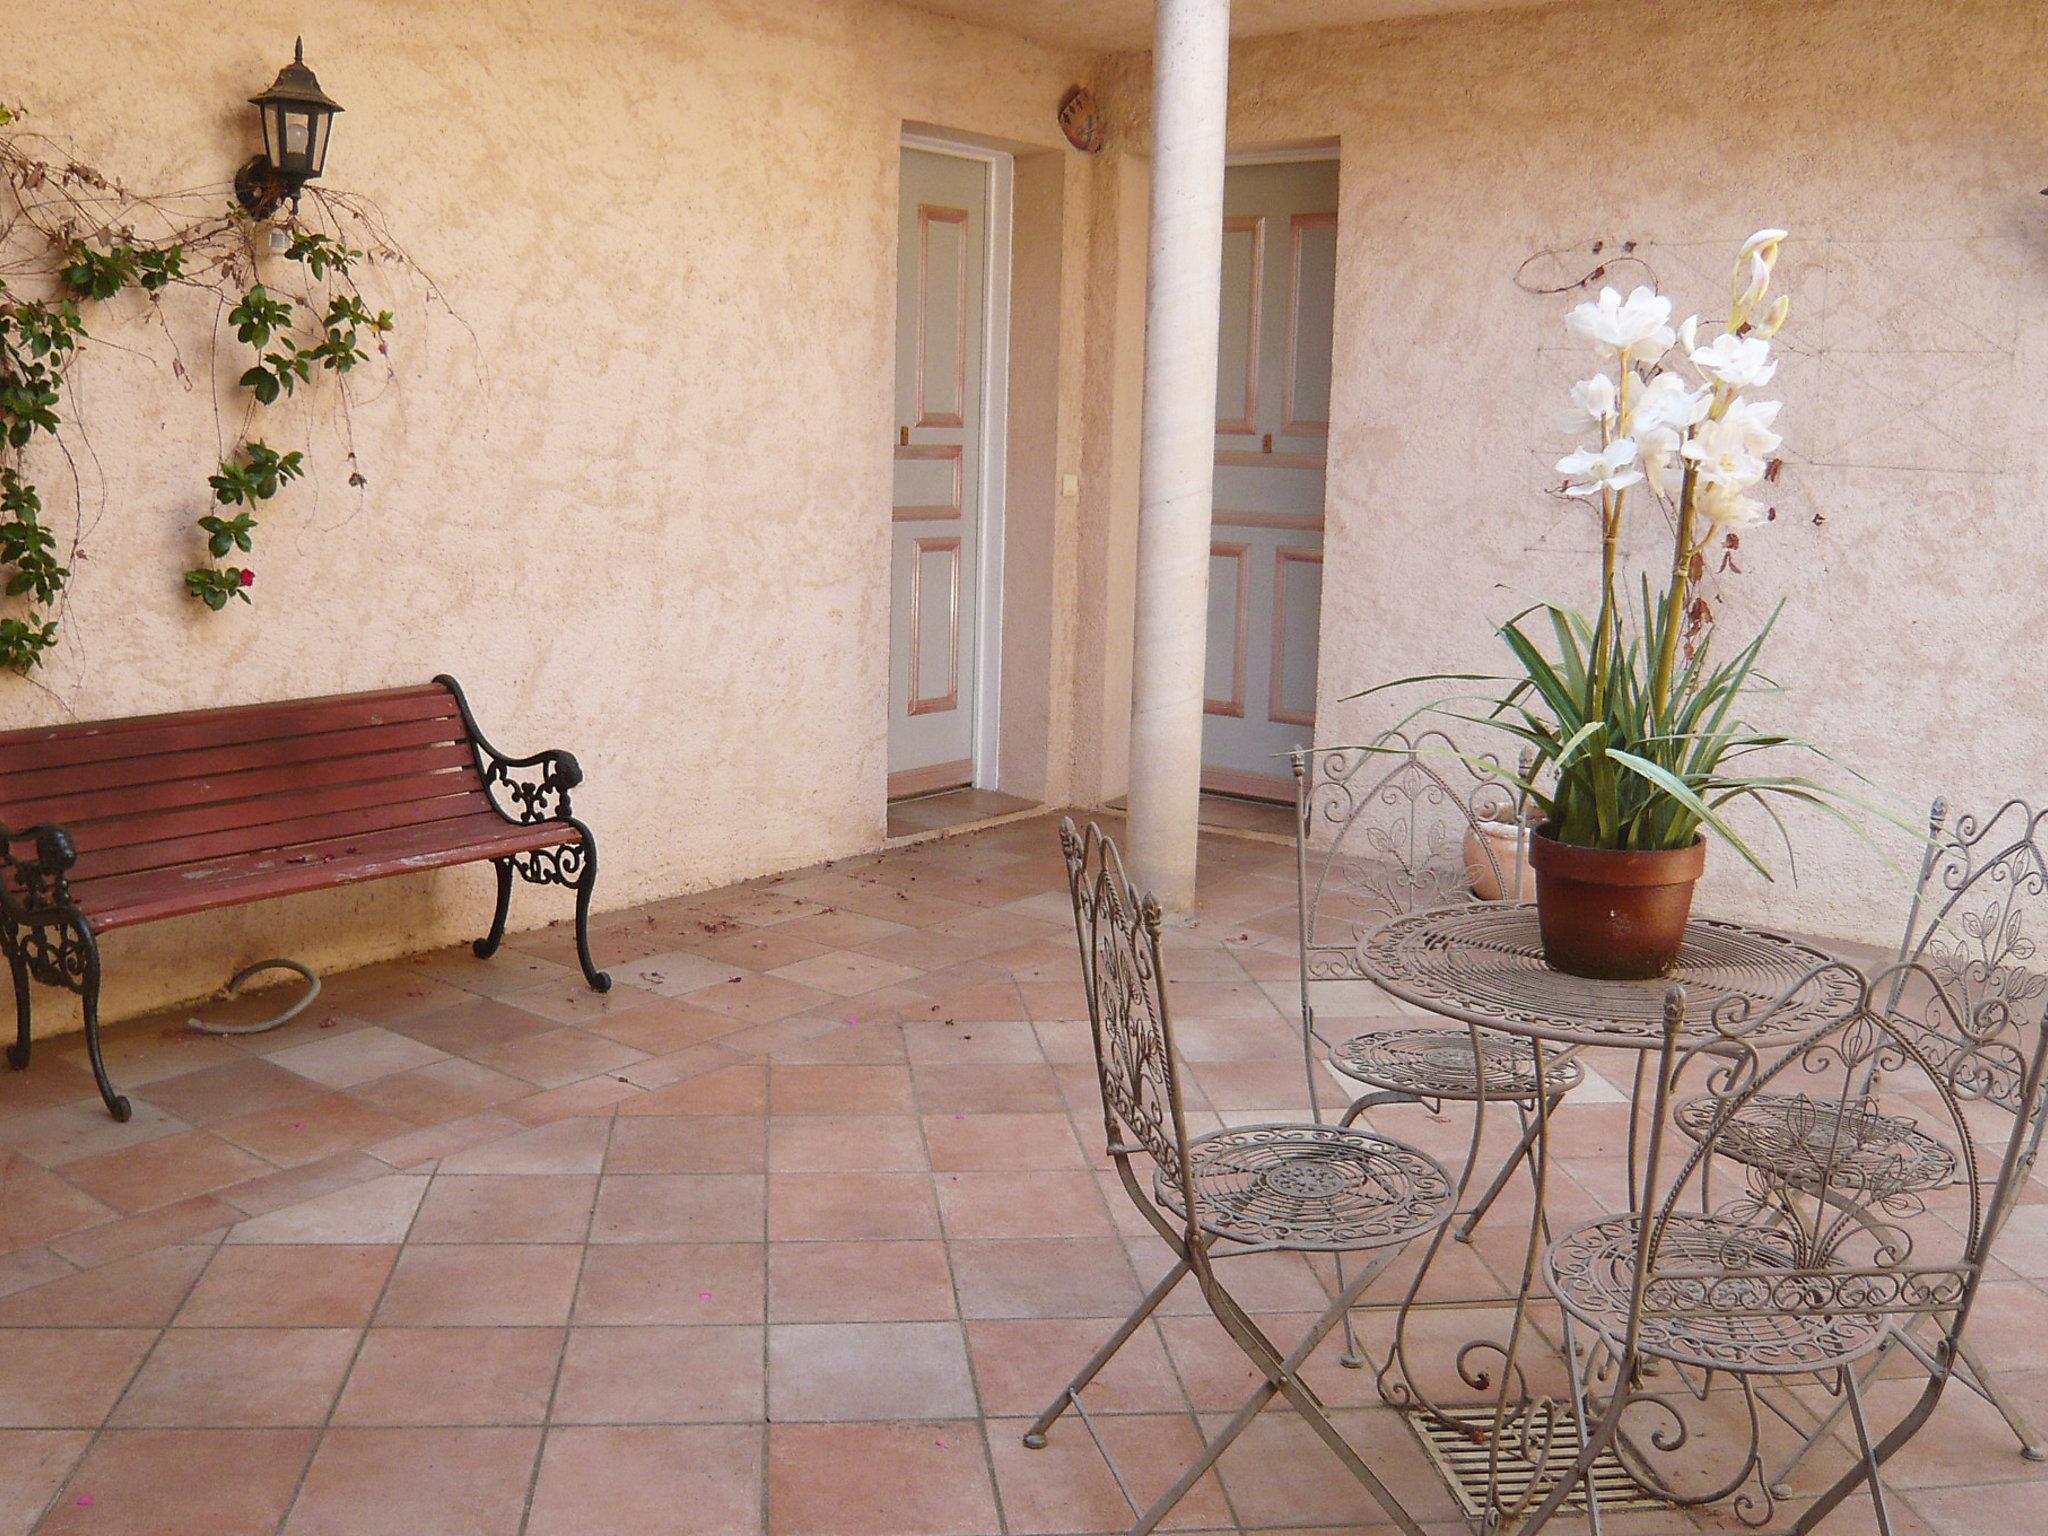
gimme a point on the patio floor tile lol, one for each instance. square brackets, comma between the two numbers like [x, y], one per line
[506, 1208]
[182, 1482]
[868, 1371]
[1068, 1487]
[661, 1375]
[33, 1464]
[451, 1376]
[844, 1143]
[859, 1282]
[688, 1144]
[629, 1283]
[239, 1378]
[504, 1284]
[851, 1206]
[677, 1480]
[679, 1208]
[144, 1291]
[59, 1378]
[289, 1286]
[425, 1482]
[879, 1480]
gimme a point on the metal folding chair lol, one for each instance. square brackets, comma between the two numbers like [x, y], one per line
[1820, 1262]
[1230, 1193]
[1977, 912]
[1379, 832]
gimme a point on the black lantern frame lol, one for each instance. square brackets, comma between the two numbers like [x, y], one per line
[297, 118]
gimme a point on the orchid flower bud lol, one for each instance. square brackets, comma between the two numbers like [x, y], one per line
[1774, 320]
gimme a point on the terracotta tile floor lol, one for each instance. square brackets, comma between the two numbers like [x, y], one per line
[791, 1233]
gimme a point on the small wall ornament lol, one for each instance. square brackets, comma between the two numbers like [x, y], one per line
[1080, 121]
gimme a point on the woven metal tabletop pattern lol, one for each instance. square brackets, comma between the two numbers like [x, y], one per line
[1482, 962]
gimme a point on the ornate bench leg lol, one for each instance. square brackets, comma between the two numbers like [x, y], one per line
[17, 1053]
[586, 886]
[487, 946]
[117, 1104]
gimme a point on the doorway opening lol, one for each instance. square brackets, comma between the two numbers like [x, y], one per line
[950, 394]
[1272, 436]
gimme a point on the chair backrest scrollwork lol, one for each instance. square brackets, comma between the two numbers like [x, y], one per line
[1395, 827]
[1978, 914]
[1119, 931]
[1834, 1224]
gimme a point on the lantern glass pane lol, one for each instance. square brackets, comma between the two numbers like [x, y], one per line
[323, 124]
[272, 114]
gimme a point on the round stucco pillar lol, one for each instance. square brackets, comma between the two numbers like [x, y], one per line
[1177, 462]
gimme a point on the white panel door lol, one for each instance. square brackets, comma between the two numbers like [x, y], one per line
[1272, 427]
[941, 299]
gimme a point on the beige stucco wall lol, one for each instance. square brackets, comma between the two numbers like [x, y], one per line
[635, 497]
[1901, 143]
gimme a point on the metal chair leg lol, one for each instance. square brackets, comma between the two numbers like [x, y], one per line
[1977, 1377]
[1854, 1393]
[1523, 1150]
[1283, 1377]
[1035, 1436]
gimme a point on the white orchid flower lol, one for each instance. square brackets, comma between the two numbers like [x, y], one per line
[1641, 323]
[1725, 507]
[1663, 414]
[1689, 334]
[1594, 403]
[1720, 450]
[1740, 362]
[1751, 294]
[1593, 470]
[1752, 420]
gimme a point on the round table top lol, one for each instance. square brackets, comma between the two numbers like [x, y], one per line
[1482, 963]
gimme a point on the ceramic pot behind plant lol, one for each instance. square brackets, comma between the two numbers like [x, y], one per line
[1505, 876]
[1613, 914]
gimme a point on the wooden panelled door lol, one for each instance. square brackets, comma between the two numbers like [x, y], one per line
[941, 309]
[1272, 430]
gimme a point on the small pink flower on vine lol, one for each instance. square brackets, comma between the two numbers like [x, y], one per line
[248, 578]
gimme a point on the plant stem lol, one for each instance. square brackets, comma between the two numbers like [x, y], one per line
[1676, 598]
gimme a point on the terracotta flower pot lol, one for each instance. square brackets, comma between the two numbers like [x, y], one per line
[1613, 915]
[1500, 837]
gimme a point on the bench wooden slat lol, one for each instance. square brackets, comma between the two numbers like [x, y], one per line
[284, 834]
[147, 736]
[50, 785]
[146, 897]
[85, 815]
[260, 817]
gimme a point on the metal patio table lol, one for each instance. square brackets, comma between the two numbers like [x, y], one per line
[1481, 963]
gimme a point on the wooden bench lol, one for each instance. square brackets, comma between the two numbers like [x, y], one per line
[107, 824]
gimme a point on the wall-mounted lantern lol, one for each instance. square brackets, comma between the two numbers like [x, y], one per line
[297, 116]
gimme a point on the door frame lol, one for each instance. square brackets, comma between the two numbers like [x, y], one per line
[995, 433]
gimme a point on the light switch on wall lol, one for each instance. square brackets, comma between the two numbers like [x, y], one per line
[1070, 485]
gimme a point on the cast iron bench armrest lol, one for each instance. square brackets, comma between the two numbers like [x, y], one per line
[534, 798]
[42, 877]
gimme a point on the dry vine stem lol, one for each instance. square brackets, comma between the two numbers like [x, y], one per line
[75, 241]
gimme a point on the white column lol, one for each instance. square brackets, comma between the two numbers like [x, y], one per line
[1177, 473]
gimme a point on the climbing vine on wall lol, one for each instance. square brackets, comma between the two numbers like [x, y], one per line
[73, 243]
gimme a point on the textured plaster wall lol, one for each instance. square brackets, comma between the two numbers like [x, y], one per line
[636, 497]
[1902, 143]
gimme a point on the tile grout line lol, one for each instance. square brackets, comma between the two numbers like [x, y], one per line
[988, 1459]
[547, 1425]
[362, 1338]
[93, 1439]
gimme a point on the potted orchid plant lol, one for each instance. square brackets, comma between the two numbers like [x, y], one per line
[1634, 717]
